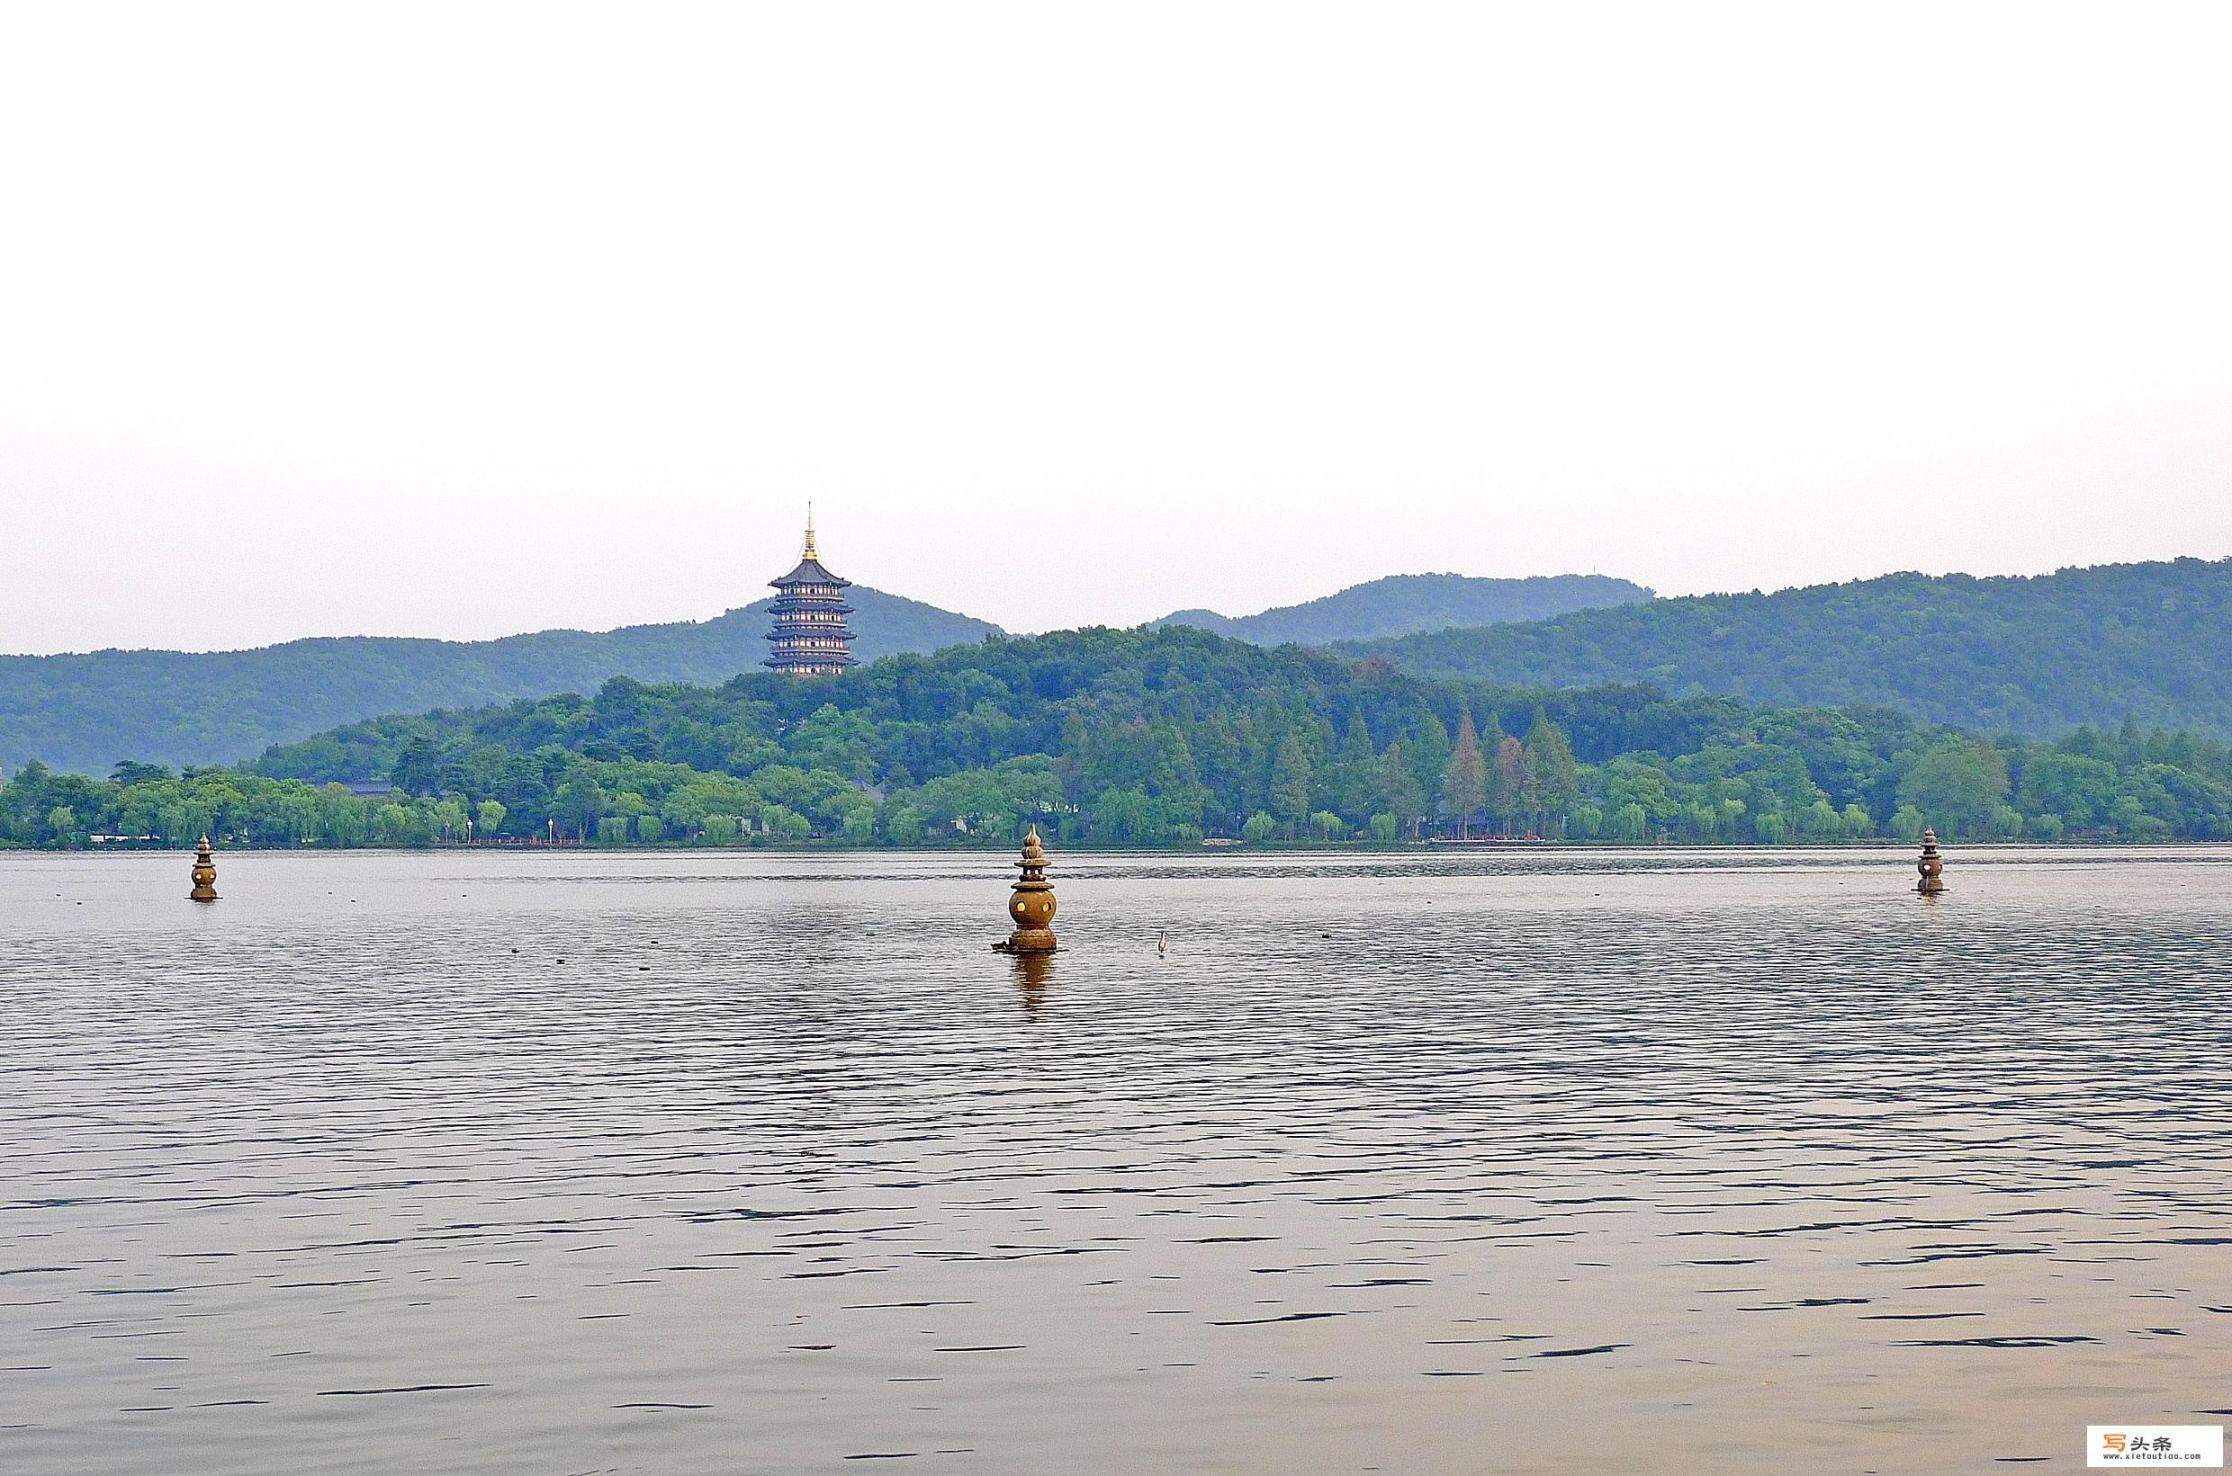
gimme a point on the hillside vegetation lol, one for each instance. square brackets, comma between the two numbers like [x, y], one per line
[2034, 655]
[1149, 738]
[87, 712]
[1403, 603]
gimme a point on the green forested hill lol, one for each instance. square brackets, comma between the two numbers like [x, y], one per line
[87, 712]
[1146, 738]
[1403, 603]
[2033, 655]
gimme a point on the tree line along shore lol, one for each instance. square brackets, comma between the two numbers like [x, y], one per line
[1144, 738]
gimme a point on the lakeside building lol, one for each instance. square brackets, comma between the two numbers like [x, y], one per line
[810, 637]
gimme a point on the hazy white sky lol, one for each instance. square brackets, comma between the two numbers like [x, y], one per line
[461, 320]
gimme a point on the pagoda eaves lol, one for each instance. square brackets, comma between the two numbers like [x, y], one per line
[810, 637]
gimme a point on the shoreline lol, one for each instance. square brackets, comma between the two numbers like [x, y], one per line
[1001, 848]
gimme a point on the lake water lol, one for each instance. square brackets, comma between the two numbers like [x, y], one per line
[1596, 1162]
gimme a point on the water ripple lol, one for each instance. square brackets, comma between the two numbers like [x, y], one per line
[781, 1169]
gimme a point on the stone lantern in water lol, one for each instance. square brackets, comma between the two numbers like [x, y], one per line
[1031, 903]
[205, 874]
[1932, 866]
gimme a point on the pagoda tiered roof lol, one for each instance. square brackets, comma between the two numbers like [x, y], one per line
[809, 571]
[810, 637]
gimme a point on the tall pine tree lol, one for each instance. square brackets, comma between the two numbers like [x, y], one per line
[1553, 779]
[1465, 781]
[1506, 780]
[1399, 792]
[1290, 784]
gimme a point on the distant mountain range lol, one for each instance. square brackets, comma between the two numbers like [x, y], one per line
[86, 712]
[2009, 655]
[1402, 604]
[2037, 655]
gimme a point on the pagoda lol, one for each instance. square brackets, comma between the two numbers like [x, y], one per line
[810, 637]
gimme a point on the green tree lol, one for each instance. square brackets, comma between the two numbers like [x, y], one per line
[781, 823]
[578, 804]
[1124, 817]
[1507, 780]
[1426, 750]
[417, 769]
[1398, 791]
[2131, 742]
[1355, 777]
[398, 825]
[1465, 781]
[1960, 784]
[1290, 783]
[1259, 829]
[2079, 789]
[1553, 779]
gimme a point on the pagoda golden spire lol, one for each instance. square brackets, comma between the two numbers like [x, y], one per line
[810, 530]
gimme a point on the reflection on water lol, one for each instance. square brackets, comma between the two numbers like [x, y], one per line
[1033, 973]
[1524, 1162]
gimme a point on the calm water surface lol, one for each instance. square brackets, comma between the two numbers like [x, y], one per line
[1534, 1162]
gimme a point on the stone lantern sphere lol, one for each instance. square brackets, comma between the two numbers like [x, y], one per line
[1031, 903]
[1932, 866]
[205, 874]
